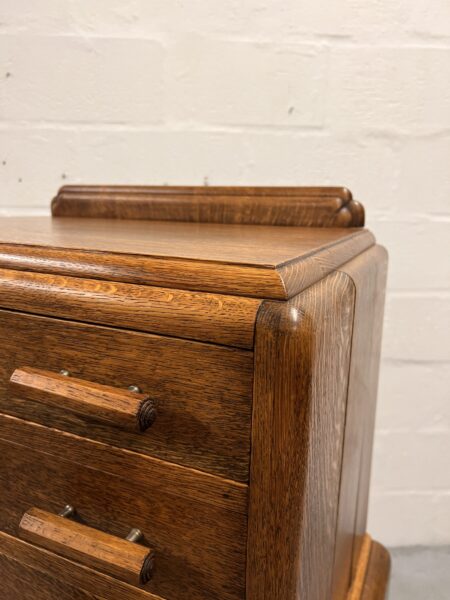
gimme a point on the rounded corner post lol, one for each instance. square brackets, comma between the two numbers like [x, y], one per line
[302, 356]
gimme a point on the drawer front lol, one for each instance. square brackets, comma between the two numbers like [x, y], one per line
[194, 523]
[202, 393]
[21, 583]
[31, 573]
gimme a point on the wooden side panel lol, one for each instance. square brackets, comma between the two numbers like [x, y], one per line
[302, 206]
[225, 320]
[368, 272]
[302, 358]
[36, 574]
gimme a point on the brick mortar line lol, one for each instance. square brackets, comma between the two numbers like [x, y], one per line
[169, 125]
[321, 40]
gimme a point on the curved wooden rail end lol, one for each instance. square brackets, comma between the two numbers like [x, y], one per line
[372, 572]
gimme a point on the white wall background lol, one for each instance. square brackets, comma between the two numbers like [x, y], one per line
[351, 92]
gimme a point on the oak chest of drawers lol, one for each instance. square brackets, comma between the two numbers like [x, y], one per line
[187, 394]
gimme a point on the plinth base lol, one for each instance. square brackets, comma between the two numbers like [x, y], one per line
[372, 572]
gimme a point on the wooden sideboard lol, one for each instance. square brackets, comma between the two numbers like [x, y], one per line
[188, 381]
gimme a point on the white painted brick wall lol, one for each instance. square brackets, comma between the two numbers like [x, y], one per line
[82, 80]
[300, 92]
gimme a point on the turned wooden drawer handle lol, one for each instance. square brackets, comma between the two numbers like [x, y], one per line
[121, 408]
[95, 549]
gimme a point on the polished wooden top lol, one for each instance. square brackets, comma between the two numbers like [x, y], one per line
[256, 245]
[254, 260]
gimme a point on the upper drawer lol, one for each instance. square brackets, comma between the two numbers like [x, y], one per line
[221, 319]
[202, 392]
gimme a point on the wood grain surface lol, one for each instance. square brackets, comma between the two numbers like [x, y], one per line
[368, 272]
[213, 190]
[127, 561]
[136, 468]
[32, 573]
[377, 575]
[200, 545]
[22, 583]
[302, 359]
[226, 320]
[253, 480]
[257, 261]
[371, 577]
[115, 407]
[357, 583]
[203, 393]
[301, 206]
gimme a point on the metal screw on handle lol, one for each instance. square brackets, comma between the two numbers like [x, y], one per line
[68, 512]
[135, 535]
[131, 388]
[134, 388]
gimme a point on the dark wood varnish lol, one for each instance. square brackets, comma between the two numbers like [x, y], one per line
[164, 477]
[259, 261]
[32, 573]
[301, 206]
[18, 581]
[377, 574]
[302, 358]
[119, 408]
[368, 272]
[248, 322]
[371, 572]
[128, 561]
[186, 530]
[202, 392]
[206, 317]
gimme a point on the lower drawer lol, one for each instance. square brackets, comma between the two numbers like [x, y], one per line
[195, 523]
[30, 573]
[22, 583]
